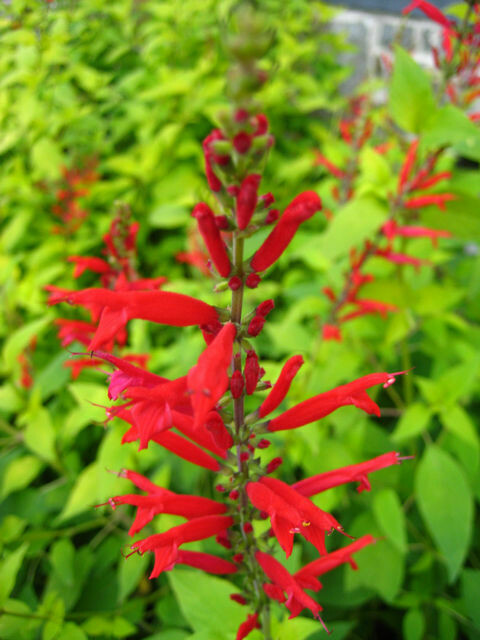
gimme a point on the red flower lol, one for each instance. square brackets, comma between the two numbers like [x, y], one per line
[291, 513]
[212, 238]
[115, 308]
[127, 375]
[206, 562]
[281, 387]
[208, 379]
[307, 576]
[320, 159]
[438, 199]
[300, 209]
[325, 403]
[165, 545]
[248, 626]
[430, 11]
[284, 587]
[331, 332]
[247, 199]
[82, 263]
[410, 159]
[352, 473]
[391, 230]
[160, 500]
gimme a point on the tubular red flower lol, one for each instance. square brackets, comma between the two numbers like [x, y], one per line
[281, 387]
[212, 238]
[300, 209]
[116, 308]
[430, 11]
[284, 583]
[127, 375]
[320, 159]
[408, 164]
[438, 199]
[331, 332]
[208, 379]
[247, 199]
[248, 626]
[291, 513]
[323, 404]
[206, 562]
[391, 230]
[424, 182]
[365, 307]
[84, 263]
[307, 576]
[165, 545]
[352, 473]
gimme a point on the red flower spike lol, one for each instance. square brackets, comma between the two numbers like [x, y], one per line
[238, 598]
[352, 473]
[253, 280]
[255, 326]
[212, 238]
[284, 587]
[300, 209]
[291, 513]
[247, 199]
[408, 164]
[430, 11]
[352, 393]
[306, 577]
[248, 626]
[208, 379]
[116, 308]
[165, 545]
[236, 384]
[265, 307]
[274, 464]
[242, 142]
[251, 372]
[281, 387]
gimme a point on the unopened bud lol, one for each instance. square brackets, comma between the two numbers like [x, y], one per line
[253, 280]
[274, 464]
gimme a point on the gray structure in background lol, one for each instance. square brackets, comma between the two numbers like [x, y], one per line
[373, 26]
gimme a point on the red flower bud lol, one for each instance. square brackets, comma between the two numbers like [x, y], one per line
[247, 199]
[265, 307]
[236, 597]
[251, 371]
[236, 384]
[238, 557]
[234, 494]
[263, 443]
[255, 326]
[233, 190]
[212, 238]
[282, 385]
[272, 216]
[247, 527]
[235, 283]
[241, 115]
[300, 209]
[253, 280]
[220, 488]
[221, 222]
[268, 199]
[242, 142]
[274, 464]
[262, 124]
[331, 332]
[244, 456]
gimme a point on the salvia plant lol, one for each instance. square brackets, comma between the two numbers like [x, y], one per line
[222, 414]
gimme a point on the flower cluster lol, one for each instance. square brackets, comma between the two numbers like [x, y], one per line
[73, 187]
[200, 416]
[117, 274]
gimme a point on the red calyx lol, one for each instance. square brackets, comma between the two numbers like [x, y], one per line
[253, 280]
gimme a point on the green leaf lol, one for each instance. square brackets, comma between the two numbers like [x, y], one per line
[129, 575]
[56, 613]
[461, 218]
[20, 338]
[390, 518]
[411, 103]
[18, 626]
[84, 492]
[39, 435]
[414, 421]
[413, 625]
[47, 159]
[445, 502]
[205, 603]
[71, 631]
[351, 226]
[8, 571]
[20, 473]
[450, 126]
[99, 626]
[470, 594]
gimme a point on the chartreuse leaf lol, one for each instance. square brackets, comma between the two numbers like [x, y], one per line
[450, 126]
[84, 492]
[305, 628]
[352, 224]
[411, 96]
[413, 422]
[117, 627]
[445, 502]
[19, 339]
[129, 575]
[9, 567]
[413, 625]
[39, 434]
[390, 518]
[205, 603]
[20, 472]
[18, 626]
[71, 631]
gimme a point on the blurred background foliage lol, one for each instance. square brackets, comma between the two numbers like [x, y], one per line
[122, 93]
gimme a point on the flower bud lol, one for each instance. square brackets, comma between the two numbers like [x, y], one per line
[274, 464]
[236, 597]
[265, 307]
[234, 494]
[235, 283]
[255, 326]
[247, 527]
[253, 280]
[242, 142]
[263, 443]
[247, 199]
[251, 372]
[236, 384]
